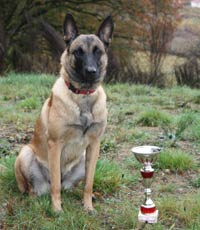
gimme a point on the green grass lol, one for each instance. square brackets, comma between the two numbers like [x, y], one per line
[22, 96]
[185, 121]
[175, 160]
[137, 115]
[184, 211]
[153, 118]
[196, 99]
[192, 131]
[7, 178]
[108, 177]
[5, 147]
[196, 182]
[29, 104]
[34, 213]
[108, 145]
[169, 188]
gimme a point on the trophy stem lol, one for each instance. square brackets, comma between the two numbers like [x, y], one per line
[148, 206]
[147, 173]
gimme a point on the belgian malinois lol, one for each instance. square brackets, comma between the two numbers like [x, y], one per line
[66, 141]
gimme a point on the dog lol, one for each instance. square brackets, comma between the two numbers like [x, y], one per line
[66, 142]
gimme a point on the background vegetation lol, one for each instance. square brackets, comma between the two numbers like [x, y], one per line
[154, 41]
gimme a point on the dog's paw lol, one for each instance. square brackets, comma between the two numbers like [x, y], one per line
[56, 206]
[57, 210]
[90, 210]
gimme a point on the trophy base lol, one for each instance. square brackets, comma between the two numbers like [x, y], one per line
[148, 218]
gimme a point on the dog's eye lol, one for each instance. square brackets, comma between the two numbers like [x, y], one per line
[97, 51]
[78, 52]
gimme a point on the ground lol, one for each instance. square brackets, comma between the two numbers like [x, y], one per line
[137, 115]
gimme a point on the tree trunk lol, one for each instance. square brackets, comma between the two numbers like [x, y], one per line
[55, 40]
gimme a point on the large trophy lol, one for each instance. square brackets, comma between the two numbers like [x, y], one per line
[147, 155]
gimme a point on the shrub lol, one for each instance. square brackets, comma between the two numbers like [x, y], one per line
[188, 74]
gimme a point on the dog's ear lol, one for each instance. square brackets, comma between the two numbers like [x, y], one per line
[70, 29]
[106, 30]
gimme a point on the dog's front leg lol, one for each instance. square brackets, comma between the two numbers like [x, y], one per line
[92, 153]
[54, 153]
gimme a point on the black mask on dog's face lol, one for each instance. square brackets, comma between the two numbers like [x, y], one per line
[87, 58]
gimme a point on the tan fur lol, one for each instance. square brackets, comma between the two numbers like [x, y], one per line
[60, 138]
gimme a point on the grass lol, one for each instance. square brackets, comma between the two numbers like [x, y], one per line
[108, 177]
[137, 115]
[184, 211]
[185, 121]
[5, 147]
[153, 118]
[35, 214]
[184, 127]
[21, 96]
[175, 160]
[169, 188]
[29, 104]
[107, 145]
[196, 182]
[192, 130]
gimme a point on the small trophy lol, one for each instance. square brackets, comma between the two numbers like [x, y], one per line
[147, 155]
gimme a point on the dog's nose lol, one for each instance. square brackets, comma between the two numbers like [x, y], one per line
[91, 70]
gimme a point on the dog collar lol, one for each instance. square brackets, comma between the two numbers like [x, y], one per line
[78, 91]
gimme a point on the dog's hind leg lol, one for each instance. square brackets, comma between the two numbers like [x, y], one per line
[77, 173]
[22, 164]
[39, 178]
[31, 175]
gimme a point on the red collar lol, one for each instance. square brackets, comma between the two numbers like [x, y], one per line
[79, 91]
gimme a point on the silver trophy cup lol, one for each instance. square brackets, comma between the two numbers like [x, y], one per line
[147, 155]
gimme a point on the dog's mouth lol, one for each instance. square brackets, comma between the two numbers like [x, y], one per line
[88, 79]
[86, 82]
[87, 85]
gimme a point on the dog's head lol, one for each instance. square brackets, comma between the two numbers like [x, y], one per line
[85, 57]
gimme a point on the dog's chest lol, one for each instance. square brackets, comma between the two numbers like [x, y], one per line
[84, 119]
[78, 132]
[85, 114]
